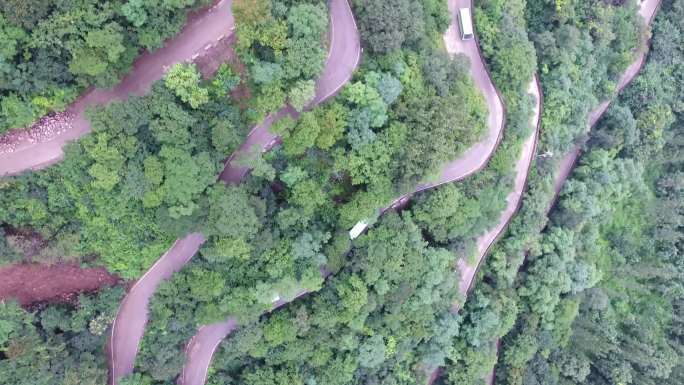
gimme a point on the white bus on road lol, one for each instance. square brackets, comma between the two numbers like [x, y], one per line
[465, 23]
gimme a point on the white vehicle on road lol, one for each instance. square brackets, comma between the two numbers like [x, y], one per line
[466, 24]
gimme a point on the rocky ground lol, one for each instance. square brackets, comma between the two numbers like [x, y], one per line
[45, 129]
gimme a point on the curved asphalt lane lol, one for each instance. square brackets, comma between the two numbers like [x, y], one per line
[467, 272]
[647, 10]
[345, 53]
[203, 28]
[129, 325]
[344, 56]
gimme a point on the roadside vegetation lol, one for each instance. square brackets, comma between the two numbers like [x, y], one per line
[338, 163]
[143, 177]
[601, 300]
[53, 49]
[57, 343]
[365, 327]
[578, 312]
[589, 294]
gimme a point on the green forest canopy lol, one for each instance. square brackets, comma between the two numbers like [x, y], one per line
[597, 301]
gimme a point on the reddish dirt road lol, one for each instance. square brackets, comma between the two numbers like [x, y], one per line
[203, 29]
[31, 283]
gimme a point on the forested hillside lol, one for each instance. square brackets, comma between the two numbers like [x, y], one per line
[596, 299]
[142, 177]
[58, 343]
[585, 289]
[54, 49]
[612, 312]
[338, 163]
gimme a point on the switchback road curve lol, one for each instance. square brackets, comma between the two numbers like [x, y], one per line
[345, 53]
[467, 272]
[129, 325]
[203, 29]
[202, 346]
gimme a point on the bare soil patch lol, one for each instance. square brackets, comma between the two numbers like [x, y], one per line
[222, 52]
[31, 283]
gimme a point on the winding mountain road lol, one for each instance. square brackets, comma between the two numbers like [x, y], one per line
[467, 272]
[478, 155]
[344, 57]
[129, 325]
[204, 28]
[485, 241]
[201, 347]
[345, 54]
[647, 10]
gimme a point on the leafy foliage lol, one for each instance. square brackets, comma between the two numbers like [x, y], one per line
[53, 50]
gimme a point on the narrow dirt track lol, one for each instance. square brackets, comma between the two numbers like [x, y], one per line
[129, 325]
[204, 27]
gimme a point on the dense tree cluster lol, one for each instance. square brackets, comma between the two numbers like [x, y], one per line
[57, 343]
[282, 45]
[361, 148]
[371, 322]
[139, 180]
[54, 49]
[597, 301]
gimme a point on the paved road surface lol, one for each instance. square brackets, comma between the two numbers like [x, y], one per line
[478, 155]
[345, 53]
[204, 27]
[486, 240]
[129, 326]
[203, 344]
[647, 11]
[466, 272]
